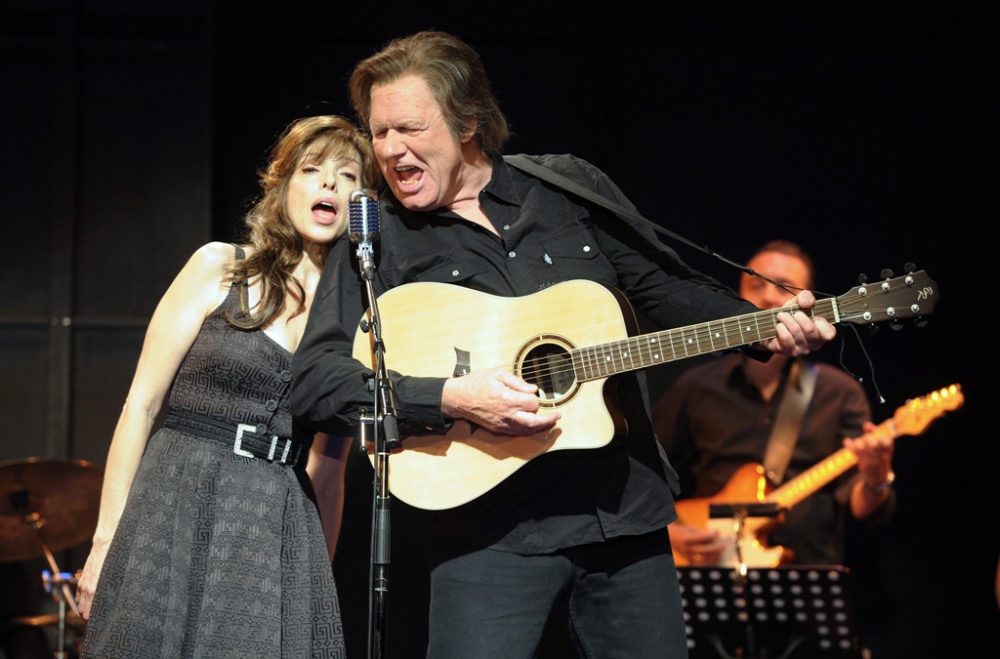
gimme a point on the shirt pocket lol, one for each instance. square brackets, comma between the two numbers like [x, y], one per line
[454, 271]
[574, 254]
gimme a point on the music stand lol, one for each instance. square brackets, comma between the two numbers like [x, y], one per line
[775, 613]
[738, 513]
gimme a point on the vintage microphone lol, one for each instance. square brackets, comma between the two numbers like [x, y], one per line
[363, 231]
[363, 227]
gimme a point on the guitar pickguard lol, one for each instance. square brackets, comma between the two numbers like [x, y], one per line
[463, 363]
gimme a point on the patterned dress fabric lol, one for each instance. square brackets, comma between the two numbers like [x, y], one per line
[219, 555]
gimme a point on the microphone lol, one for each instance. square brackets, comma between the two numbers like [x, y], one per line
[363, 227]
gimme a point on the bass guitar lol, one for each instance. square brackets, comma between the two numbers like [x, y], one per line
[748, 540]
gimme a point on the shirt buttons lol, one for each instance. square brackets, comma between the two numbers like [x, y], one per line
[586, 248]
[506, 227]
[454, 273]
[261, 429]
[286, 376]
[271, 405]
[511, 254]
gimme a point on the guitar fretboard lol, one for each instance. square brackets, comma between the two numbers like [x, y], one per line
[910, 419]
[812, 479]
[606, 359]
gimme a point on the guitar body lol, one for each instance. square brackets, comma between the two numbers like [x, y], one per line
[748, 484]
[442, 330]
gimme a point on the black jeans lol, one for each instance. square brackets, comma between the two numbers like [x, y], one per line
[621, 596]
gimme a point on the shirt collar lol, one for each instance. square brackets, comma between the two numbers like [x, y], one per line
[501, 185]
[735, 375]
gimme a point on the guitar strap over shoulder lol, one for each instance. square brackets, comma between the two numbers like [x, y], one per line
[798, 391]
[628, 215]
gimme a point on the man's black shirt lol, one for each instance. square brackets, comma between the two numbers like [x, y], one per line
[546, 236]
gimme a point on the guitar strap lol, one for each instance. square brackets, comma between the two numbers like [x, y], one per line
[646, 229]
[799, 387]
[634, 219]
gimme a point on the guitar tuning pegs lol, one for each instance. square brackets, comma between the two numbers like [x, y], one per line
[909, 268]
[886, 273]
[862, 278]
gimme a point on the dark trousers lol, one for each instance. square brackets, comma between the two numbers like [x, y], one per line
[621, 598]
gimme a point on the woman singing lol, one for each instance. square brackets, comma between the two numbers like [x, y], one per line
[209, 541]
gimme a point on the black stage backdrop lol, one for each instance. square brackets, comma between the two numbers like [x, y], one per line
[863, 131]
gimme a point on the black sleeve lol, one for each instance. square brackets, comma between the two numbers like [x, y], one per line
[671, 424]
[329, 386]
[855, 412]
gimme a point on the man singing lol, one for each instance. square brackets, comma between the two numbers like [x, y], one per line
[585, 529]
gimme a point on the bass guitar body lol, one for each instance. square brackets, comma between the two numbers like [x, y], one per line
[747, 485]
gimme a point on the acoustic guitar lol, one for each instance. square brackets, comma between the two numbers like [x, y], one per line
[750, 485]
[568, 339]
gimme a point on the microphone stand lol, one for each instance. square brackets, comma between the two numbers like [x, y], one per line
[385, 437]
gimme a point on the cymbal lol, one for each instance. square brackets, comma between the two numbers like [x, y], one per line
[64, 497]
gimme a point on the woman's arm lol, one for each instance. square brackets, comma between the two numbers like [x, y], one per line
[196, 291]
[327, 460]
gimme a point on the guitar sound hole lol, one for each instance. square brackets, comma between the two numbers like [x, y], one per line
[550, 368]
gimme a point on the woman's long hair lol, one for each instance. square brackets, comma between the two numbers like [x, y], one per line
[275, 246]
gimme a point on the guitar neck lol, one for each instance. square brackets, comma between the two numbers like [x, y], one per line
[813, 479]
[607, 359]
[816, 477]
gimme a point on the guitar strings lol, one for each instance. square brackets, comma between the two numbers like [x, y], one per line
[552, 366]
[601, 356]
[624, 349]
[605, 358]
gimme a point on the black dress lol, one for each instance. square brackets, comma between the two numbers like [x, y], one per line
[218, 554]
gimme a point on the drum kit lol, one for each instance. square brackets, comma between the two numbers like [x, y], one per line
[48, 505]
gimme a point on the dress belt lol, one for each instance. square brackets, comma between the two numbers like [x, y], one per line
[246, 439]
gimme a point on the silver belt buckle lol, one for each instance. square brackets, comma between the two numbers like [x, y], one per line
[238, 444]
[247, 427]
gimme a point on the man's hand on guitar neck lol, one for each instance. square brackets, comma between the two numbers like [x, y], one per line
[874, 451]
[498, 401]
[698, 546]
[798, 333]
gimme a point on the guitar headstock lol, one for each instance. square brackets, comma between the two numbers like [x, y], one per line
[918, 413]
[912, 295]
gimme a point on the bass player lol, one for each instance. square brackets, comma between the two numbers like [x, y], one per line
[719, 416]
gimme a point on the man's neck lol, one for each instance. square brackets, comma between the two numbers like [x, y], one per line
[766, 376]
[476, 173]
